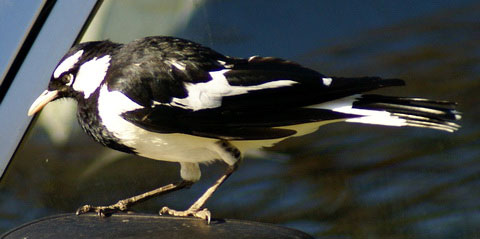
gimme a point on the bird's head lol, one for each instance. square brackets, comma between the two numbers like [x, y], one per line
[78, 74]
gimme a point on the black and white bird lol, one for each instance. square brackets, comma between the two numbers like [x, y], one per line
[171, 99]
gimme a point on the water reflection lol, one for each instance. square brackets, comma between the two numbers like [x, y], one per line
[347, 181]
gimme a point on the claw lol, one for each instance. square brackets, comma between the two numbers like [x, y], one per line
[202, 214]
[102, 211]
[83, 209]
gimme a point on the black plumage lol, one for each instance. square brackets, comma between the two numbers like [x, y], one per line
[172, 99]
[155, 78]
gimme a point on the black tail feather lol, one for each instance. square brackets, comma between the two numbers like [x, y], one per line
[417, 112]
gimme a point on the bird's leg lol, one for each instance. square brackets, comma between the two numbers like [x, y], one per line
[124, 204]
[195, 209]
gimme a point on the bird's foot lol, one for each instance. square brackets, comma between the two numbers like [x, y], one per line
[199, 213]
[104, 211]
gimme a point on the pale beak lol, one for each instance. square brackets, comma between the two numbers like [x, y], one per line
[42, 100]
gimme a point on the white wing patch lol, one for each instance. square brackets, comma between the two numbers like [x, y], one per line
[209, 94]
[67, 64]
[91, 74]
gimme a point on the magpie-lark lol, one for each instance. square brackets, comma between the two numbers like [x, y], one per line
[171, 99]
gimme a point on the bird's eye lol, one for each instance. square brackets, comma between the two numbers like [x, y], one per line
[66, 79]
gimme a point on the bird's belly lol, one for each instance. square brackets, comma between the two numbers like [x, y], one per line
[188, 148]
[174, 147]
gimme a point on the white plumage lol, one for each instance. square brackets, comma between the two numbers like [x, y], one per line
[174, 100]
[208, 95]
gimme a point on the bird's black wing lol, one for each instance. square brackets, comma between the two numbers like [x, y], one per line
[309, 87]
[187, 88]
[226, 124]
[157, 68]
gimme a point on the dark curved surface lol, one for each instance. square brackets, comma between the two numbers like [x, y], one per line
[124, 225]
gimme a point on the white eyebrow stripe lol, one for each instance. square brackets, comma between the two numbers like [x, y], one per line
[67, 64]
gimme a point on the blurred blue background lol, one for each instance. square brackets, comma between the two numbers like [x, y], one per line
[345, 180]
